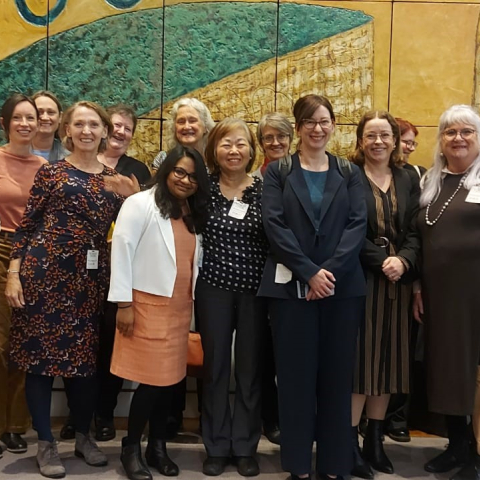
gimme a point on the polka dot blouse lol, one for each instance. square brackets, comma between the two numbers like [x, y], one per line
[234, 250]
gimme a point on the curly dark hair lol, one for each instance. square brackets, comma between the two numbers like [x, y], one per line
[168, 205]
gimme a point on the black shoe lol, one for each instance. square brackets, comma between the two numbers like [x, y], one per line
[448, 460]
[214, 466]
[373, 447]
[156, 456]
[14, 442]
[132, 461]
[68, 430]
[272, 432]
[399, 434]
[361, 468]
[247, 466]
[104, 429]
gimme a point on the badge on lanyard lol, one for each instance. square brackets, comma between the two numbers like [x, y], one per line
[473, 195]
[92, 259]
[238, 209]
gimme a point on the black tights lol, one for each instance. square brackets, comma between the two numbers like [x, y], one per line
[149, 404]
[81, 393]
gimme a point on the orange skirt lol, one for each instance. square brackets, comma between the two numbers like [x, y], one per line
[156, 353]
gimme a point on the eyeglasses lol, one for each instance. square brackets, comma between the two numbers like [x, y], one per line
[281, 137]
[410, 143]
[465, 133]
[372, 137]
[181, 173]
[310, 124]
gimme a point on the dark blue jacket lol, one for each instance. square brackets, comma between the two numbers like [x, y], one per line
[295, 242]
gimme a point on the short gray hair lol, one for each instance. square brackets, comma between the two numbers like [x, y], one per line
[203, 112]
[275, 120]
[433, 179]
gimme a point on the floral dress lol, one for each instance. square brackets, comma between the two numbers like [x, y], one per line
[68, 213]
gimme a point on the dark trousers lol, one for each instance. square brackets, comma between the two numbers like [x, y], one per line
[269, 386]
[222, 312]
[315, 346]
[109, 385]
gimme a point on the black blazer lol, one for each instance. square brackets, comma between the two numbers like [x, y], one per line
[296, 243]
[407, 245]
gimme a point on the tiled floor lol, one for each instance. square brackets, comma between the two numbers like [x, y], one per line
[188, 452]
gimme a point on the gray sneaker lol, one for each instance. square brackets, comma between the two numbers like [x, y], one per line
[86, 448]
[48, 460]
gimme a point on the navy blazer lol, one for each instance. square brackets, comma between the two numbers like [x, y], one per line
[295, 241]
[407, 245]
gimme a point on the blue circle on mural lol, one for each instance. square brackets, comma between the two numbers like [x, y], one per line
[39, 20]
[122, 4]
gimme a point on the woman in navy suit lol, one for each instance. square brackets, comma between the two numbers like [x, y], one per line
[315, 220]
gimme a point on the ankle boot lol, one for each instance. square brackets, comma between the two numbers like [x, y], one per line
[373, 447]
[157, 457]
[132, 461]
[48, 460]
[361, 468]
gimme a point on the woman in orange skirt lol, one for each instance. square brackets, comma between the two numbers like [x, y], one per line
[155, 252]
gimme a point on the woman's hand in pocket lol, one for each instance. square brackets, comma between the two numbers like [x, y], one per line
[125, 320]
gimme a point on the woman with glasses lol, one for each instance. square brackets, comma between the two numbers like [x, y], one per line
[274, 135]
[388, 255]
[160, 227]
[315, 219]
[449, 304]
[235, 248]
[408, 135]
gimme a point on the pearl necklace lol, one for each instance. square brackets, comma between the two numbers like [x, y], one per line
[445, 205]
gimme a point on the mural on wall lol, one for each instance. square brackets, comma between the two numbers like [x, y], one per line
[242, 59]
[246, 58]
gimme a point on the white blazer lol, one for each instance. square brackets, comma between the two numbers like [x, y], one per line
[143, 250]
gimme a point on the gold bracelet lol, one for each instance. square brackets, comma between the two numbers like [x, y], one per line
[13, 271]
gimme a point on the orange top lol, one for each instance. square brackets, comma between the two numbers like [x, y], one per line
[16, 180]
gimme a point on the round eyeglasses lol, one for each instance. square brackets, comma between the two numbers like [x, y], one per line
[464, 133]
[281, 137]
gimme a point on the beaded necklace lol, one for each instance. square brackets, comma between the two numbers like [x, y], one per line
[445, 205]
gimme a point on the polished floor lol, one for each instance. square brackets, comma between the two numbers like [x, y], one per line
[188, 452]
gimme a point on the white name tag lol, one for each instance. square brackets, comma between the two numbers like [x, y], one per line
[238, 209]
[92, 259]
[473, 195]
[282, 274]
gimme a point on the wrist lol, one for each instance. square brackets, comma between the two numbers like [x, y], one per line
[121, 306]
[13, 272]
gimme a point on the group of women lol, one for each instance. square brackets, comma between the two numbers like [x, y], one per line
[322, 250]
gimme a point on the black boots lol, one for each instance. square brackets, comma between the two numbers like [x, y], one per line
[156, 456]
[132, 461]
[361, 468]
[373, 447]
[457, 453]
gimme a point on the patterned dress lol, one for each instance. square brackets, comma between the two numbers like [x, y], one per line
[68, 213]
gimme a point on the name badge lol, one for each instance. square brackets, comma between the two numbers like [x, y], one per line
[238, 209]
[282, 274]
[92, 259]
[473, 195]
